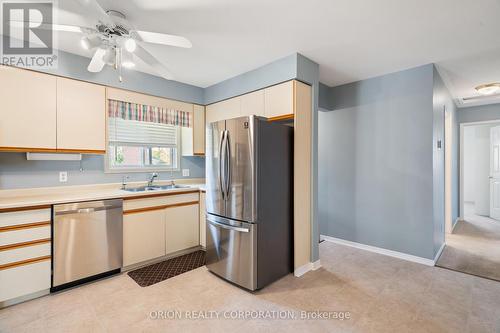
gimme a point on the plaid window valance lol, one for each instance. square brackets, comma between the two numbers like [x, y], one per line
[148, 113]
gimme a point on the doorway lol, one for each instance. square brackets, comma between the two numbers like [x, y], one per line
[473, 241]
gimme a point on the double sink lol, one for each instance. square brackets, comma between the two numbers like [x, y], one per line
[155, 188]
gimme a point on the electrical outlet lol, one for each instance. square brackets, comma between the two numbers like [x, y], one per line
[63, 176]
[185, 172]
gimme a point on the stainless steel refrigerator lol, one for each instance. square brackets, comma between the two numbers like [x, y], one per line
[249, 173]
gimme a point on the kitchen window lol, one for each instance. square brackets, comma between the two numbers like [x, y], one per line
[139, 146]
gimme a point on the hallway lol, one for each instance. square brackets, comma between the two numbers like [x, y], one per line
[474, 246]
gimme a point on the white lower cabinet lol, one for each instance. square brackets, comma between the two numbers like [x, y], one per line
[25, 253]
[143, 236]
[203, 228]
[159, 226]
[24, 280]
[182, 227]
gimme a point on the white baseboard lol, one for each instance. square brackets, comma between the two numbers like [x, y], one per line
[438, 254]
[390, 253]
[455, 224]
[310, 266]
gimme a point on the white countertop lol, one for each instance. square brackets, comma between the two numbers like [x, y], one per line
[65, 194]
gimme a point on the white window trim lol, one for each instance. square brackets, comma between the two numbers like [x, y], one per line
[107, 169]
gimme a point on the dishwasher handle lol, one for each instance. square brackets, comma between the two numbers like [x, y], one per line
[87, 210]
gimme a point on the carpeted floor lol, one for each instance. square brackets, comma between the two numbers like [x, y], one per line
[473, 247]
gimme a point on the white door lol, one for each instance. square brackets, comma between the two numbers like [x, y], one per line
[495, 173]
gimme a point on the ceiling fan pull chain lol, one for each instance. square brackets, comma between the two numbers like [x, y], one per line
[119, 64]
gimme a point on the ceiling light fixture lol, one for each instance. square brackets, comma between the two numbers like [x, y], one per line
[127, 60]
[130, 45]
[109, 56]
[488, 89]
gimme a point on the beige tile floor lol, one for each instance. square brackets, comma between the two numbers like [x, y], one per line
[382, 294]
[474, 246]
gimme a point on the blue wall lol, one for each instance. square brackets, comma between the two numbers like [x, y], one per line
[17, 172]
[479, 113]
[376, 181]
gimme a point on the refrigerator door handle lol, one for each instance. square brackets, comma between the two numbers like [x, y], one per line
[222, 163]
[227, 175]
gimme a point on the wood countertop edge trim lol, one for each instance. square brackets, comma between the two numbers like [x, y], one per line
[133, 197]
[24, 244]
[153, 195]
[23, 208]
[24, 262]
[52, 150]
[147, 209]
[32, 225]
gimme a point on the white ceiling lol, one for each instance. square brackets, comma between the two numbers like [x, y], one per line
[350, 39]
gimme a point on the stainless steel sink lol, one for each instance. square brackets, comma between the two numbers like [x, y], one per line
[155, 188]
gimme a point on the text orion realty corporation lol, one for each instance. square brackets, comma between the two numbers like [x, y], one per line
[28, 34]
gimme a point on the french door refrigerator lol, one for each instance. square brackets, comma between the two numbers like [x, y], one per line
[249, 173]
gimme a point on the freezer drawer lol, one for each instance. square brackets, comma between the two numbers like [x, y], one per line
[231, 250]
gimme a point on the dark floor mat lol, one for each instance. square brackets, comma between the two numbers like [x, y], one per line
[158, 272]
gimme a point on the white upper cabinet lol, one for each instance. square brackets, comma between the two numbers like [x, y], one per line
[81, 116]
[275, 103]
[227, 109]
[28, 112]
[193, 138]
[252, 104]
[198, 130]
[279, 100]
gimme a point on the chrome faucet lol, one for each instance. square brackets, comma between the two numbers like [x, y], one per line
[124, 182]
[152, 178]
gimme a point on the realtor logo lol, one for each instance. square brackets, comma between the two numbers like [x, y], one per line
[28, 35]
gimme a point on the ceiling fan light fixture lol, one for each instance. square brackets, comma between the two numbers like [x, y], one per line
[109, 56]
[90, 42]
[130, 45]
[127, 60]
[488, 89]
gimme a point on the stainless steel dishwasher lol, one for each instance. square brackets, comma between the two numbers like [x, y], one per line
[87, 241]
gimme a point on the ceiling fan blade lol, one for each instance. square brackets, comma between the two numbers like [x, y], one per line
[97, 63]
[95, 10]
[54, 26]
[149, 59]
[164, 39]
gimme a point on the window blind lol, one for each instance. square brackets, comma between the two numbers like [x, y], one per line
[140, 133]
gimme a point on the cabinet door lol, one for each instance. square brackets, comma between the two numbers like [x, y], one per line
[198, 130]
[203, 230]
[28, 112]
[279, 100]
[253, 104]
[81, 115]
[182, 227]
[143, 236]
[24, 279]
[223, 110]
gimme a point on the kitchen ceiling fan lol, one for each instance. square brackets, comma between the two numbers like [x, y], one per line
[116, 41]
